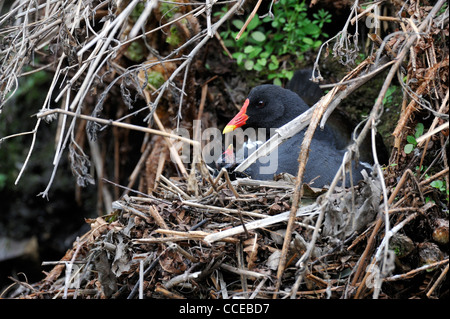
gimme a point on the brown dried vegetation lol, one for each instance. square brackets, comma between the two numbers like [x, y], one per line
[175, 231]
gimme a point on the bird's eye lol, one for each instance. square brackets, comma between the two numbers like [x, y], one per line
[260, 104]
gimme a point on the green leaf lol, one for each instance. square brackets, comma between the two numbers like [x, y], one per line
[274, 59]
[277, 81]
[411, 140]
[255, 52]
[311, 28]
[254, 23]
[258, 67]
[419, 130]
[239, 56]
[273, 67]
[438, 184]
[242, 40]
[289, 74]
[278, 37]
[308, 41]
[249, 65]
[249, 48]
[408, 148]
[229, 43]
[265, 54]
[258, 36]
[261, 62]
[238, 24]
[269, 50]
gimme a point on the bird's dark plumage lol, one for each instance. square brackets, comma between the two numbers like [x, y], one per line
[271, 106]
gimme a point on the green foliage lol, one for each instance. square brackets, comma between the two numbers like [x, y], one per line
[28, 95]
[266, 43]
[442, 187]
[155, 79]
[388, 97]
[412, 142]
[137, 11]
[438, 184]
[173, 38]
[168, 9]
[29, 88]
[3, 179]
[135, 51]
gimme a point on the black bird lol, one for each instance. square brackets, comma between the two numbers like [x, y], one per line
[269, 106]
[338, 122]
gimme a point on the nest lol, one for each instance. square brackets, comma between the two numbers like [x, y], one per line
[226, 245]
[193, 235]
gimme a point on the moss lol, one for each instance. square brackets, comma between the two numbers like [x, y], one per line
[136, 51]
[155, 79]
[174, 37]
[168, 10]
[137, 11]
[361, 102]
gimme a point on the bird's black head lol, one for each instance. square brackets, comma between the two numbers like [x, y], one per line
[268, 106]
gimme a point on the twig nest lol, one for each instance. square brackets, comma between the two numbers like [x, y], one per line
[352, 210]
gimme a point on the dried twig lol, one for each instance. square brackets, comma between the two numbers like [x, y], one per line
[249, 19]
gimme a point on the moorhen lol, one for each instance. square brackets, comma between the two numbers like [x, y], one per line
[339, 122]
[269, 106]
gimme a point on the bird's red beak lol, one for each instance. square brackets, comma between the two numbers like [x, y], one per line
[238, 120]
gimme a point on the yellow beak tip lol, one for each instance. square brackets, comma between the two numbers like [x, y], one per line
[228, 128]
